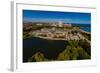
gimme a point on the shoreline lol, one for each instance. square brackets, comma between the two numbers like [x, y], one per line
[48, 38]
[70, 36]
[85, 31]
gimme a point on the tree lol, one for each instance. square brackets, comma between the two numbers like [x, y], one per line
[37, 57]
[64, 55]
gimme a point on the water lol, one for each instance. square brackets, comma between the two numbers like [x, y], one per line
[87, 29]
[50, 48]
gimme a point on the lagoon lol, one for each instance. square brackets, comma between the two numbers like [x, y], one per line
[50, 48]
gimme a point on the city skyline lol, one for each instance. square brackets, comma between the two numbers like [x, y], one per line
[55, 16]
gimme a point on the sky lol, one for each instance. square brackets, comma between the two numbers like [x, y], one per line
[55, 16]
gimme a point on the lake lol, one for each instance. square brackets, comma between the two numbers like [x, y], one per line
[50, 48]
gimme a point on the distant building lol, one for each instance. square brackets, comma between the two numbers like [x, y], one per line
[39, 24]
[60, 24]
[54, 24]
[67, 25]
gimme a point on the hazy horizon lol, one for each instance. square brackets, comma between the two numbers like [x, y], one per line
[54, 16]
